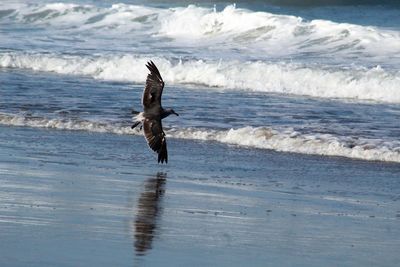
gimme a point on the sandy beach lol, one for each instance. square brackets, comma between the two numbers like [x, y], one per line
[84, 199]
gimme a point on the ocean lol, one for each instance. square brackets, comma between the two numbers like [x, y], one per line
[312, 80]
[284, 105]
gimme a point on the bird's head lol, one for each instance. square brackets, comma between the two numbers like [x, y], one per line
[166, 112]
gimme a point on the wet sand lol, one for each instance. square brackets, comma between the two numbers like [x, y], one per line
[70, 198]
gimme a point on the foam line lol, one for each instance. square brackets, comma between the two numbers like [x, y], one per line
[376, 84]
[251, 137]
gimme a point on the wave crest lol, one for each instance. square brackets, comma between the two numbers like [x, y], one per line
[231, 26]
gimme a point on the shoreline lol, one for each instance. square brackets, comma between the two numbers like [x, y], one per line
[265, 138]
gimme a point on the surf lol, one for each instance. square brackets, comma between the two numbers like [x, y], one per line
[315, 80]
[232, 26]
[268, 138]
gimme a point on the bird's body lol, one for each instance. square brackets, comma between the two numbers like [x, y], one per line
[153, 113]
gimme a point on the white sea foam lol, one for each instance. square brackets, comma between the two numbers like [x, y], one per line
[375, 83]
[275, 33]
[119, 17]
[234, 27]
[252, 137]
[328, 145]
[62, 124]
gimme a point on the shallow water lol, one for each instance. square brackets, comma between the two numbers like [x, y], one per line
[259, 120]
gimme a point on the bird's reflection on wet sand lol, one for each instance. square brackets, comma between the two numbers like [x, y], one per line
[148, 212]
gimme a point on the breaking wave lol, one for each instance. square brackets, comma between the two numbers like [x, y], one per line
[252, 137]
[358, 83]
[271, 33]
[276, 33]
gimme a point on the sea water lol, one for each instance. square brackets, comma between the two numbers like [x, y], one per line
[309, 79]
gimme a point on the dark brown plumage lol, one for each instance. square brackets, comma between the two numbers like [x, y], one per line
[153, 113]
[153, 89]
[155, 137]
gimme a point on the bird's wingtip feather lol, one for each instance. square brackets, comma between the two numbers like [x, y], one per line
[153, 69]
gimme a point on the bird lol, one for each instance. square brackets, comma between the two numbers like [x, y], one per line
[153, 113]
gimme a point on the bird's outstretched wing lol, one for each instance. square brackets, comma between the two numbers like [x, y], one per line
[154, 87]
[155, 137]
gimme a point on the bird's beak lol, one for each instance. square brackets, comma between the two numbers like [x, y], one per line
[176, 113]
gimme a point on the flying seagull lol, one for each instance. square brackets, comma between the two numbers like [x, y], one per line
[153, 113]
